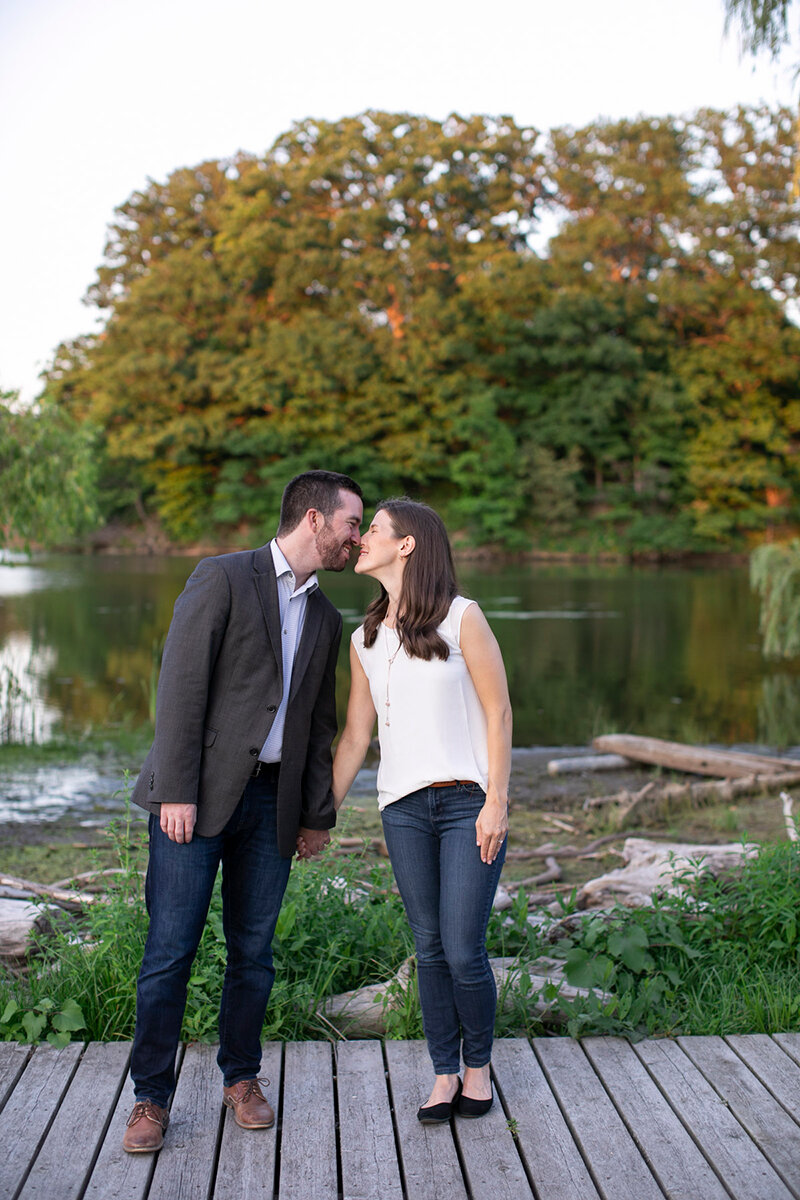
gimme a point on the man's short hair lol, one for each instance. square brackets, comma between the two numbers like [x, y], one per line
[313, 489]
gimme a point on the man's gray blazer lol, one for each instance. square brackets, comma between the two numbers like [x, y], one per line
[220, 686]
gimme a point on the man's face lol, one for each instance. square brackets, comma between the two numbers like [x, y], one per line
[340, 532]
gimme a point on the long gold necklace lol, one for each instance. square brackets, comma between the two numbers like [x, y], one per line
[389, 659]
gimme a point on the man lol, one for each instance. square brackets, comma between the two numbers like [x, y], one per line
[239, 773]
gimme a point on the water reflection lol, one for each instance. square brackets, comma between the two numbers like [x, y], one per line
[670, 652]
[26, 716]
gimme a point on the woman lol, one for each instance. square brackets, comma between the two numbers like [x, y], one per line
[427, 664]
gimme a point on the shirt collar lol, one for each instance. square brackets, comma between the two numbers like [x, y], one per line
[282, 567]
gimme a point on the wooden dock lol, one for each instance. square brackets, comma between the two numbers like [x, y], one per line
[698, 1118]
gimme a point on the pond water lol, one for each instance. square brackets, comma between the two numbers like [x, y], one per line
[668, 652]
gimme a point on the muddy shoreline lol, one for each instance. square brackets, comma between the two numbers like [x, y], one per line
[545, 810]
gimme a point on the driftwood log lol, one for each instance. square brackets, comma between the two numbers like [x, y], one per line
[589, 762]
[19, 921]
[722, 790]
[66, 898]
[727, 764]
[362, 1013]
[659, 867]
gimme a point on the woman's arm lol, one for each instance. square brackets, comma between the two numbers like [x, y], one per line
[485, 665]
[354, 742]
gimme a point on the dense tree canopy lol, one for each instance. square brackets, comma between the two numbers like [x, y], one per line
[578, 338]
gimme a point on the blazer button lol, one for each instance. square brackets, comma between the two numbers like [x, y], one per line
[271, 707]
[254, 751]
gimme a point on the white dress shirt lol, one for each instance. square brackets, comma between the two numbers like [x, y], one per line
[292, 604]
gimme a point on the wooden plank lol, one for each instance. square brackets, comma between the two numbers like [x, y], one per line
[740, 1165]
[76, 1134]
[13, 1058]
[543, 1137]
[776, 1070]
[246, 1165]
[366, 1134]
[789, 1043]
[429, 1159]
[308, 1133]
[698, 760]
[617, 1167]
[185, 1165]
[492, 1164]
[768, 1124]
[676, 1162]
[30, 1108]
[117, 1175]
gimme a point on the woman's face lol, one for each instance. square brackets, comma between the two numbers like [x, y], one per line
[380, 546]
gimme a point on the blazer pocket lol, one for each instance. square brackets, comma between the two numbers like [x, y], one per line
[209, 737]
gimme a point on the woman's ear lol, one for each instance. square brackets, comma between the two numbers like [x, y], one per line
[407, 546]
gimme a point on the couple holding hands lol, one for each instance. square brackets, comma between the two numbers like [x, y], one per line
[240, 774]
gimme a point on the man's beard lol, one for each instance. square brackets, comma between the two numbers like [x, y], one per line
[331, 550]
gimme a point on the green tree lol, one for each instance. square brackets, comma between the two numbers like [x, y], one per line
[48, 470]
[762, 24]
[365, 295]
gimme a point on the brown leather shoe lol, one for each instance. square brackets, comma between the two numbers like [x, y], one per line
[251, 1109]
[145, 1128]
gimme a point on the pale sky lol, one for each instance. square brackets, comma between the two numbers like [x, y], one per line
[98, 96]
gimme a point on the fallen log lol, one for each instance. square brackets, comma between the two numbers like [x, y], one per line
[665, 868]
[363, 1012]
[551, 875]
[696, 760]
[67, 898]
[723, 789]
[589, 762]
[19, 921]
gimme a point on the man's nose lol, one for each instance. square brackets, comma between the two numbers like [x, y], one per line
[355, 537]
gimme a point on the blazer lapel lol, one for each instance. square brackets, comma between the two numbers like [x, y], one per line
[308, 639]
[267, 588]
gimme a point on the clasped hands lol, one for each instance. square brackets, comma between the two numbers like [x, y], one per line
[311, 842]
[178, 821]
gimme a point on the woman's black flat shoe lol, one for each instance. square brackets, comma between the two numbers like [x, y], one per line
[467, 1107]
[437, 1114]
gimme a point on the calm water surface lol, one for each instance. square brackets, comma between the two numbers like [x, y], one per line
[667, 652]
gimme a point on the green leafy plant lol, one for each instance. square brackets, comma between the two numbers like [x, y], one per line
[44, 1021]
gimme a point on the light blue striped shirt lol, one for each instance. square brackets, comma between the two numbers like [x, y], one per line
[292, 604]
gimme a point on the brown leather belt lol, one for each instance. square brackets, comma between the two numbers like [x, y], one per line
[453, 783]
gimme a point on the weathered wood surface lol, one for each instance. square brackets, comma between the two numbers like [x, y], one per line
[698, 1118]
[588, 762]
[697, 760]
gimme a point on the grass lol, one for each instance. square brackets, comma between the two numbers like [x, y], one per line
[322, 946]
[722, 959]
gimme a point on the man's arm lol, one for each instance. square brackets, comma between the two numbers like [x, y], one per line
[318, 814]
[190, 652]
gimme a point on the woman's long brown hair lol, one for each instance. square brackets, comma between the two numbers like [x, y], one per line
[429, 581]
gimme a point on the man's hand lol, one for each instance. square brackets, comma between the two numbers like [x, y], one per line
[311, 842]
[178, 820]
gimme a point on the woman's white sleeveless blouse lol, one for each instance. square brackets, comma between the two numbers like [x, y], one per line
[437, 728]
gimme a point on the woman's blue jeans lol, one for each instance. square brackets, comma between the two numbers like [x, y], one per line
[447, 892]
[180, 880]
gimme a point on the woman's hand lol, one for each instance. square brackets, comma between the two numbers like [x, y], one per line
[491, 828]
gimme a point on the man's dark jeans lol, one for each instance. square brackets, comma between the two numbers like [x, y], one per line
[180, 879]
